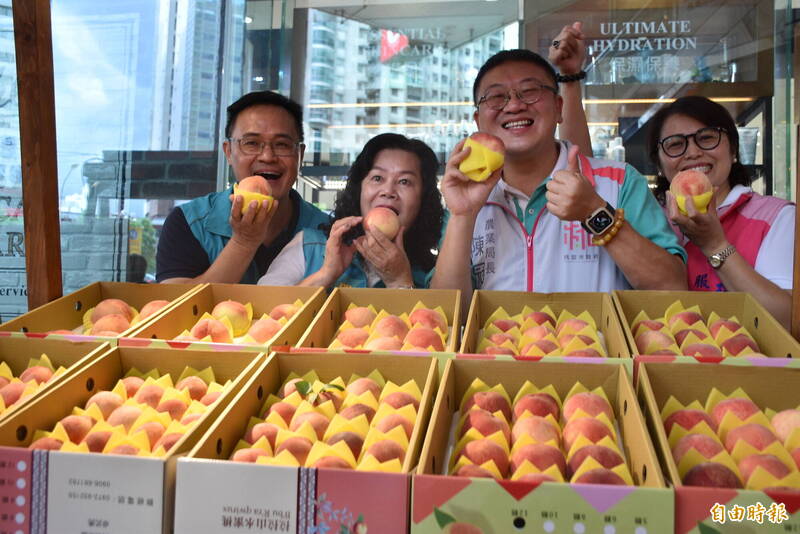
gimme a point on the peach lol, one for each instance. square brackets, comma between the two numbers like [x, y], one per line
[539, 454]
[505, 324]
[704, 350]
[11, 392]
[591, 429]
[711, 474]
[149, 394]
[591, 403]
[541, 318]
[539, 404]
[318, 422]
[688, 317]
[284, 409]
[652, 338]
[384, 343]
[284, 310]
[210, 398]
[575, 324]
[391, 326]
[211, 328]
[392, 420]
[132, 385]
[424, 338]
[249, 455]
[235, 312]
[111, 307]
[491, 401]
[46, 444]
[756, 435]
[545, 345]
[702, 443]
[4, 382]
[785, 422]
[535, 333]
[354, 410]
[351, 439]
[688, 419]
[110, 323]
[107, 401]
[359, 316]
[738, 343]
[332, 462]
[37, 373]
[769, 462]
[480, 451]
[191, 418]
[353, 337]
[297, 446]
[255, 184]
[471, 470]
[493, 349]
[196, 386]
[741, 408]
[152, 307]
[681, 335]
[360, 385]
[384, 220]
[125, 416]
[262, 430]
[715, 327]
[326, 395]
[290, 387]
[600, 476]
[690, 183]
[154, 431]
[398, 399]
[168, 440]
[96, 441]
[605, 456]
[489, 141]
[428, 318]
[386, 450]
[535, 478]
[566, 339]
[485, 423]
[584, 353]
[648, 324]
[175, 407]
[264, 329]
[77, 426]
[539, 428]
[126, 449]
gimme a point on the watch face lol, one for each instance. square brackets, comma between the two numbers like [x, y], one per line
[600, 221]
[715, 261]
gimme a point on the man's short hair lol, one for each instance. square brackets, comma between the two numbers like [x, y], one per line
[266, 98]
[507, 56]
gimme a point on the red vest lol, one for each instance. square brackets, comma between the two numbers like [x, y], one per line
[746, 223]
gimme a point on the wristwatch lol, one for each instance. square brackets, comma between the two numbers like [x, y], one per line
[599, 220]
[718, 258]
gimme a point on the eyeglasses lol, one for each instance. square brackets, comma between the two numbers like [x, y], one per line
[528, 94]
[705, 138]
[254, 147]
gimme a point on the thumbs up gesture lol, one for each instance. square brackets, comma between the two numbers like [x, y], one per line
[570, 196]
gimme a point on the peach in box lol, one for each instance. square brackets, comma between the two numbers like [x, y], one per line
[741, 408]
[485, 423]
[491, 401]
[429, 318]
[605, 456]
[705, 445]
[688, 419]
[785, 422]
[384, 220]
[481, 451]
[590, 403]
[539, 428]
[539, 454]
[711, 474]
[539, 404]
[359, 316]
[592, 429]
[769, 462]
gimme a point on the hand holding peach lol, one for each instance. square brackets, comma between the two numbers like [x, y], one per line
[485, 157]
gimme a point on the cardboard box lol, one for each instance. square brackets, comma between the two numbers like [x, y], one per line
[113, 494]
[72, 355]
[773, 340]
[599, 306]
[510, 506]
[291, 499]
[768, 387]
[263, 298]
[66, 313]
[395, 301]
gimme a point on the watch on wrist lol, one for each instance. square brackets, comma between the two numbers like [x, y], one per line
[599, 220]
[718, 258]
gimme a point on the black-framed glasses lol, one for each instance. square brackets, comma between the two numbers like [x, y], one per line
[707, 138]
[497, 99]
[279, 147]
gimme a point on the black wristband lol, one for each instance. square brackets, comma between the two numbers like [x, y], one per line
[566, 78]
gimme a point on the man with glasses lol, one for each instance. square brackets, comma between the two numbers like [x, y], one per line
[209, 239]
[550, 219]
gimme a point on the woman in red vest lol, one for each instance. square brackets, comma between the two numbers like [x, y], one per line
[744, 241]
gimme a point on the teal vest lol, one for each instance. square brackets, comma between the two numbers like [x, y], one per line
[208, 216]
[354, 276]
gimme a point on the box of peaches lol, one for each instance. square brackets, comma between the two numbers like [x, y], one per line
[233, 317]
[104, 309]
[703, 326]
[550, 446]
[729, 440]
[103, 441]
[385, 320]
[355, 421]
[532, 325]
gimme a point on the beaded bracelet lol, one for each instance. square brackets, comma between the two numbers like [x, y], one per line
[619, 218]
[566, 78]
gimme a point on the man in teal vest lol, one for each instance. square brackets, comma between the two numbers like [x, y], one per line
[209, 239]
